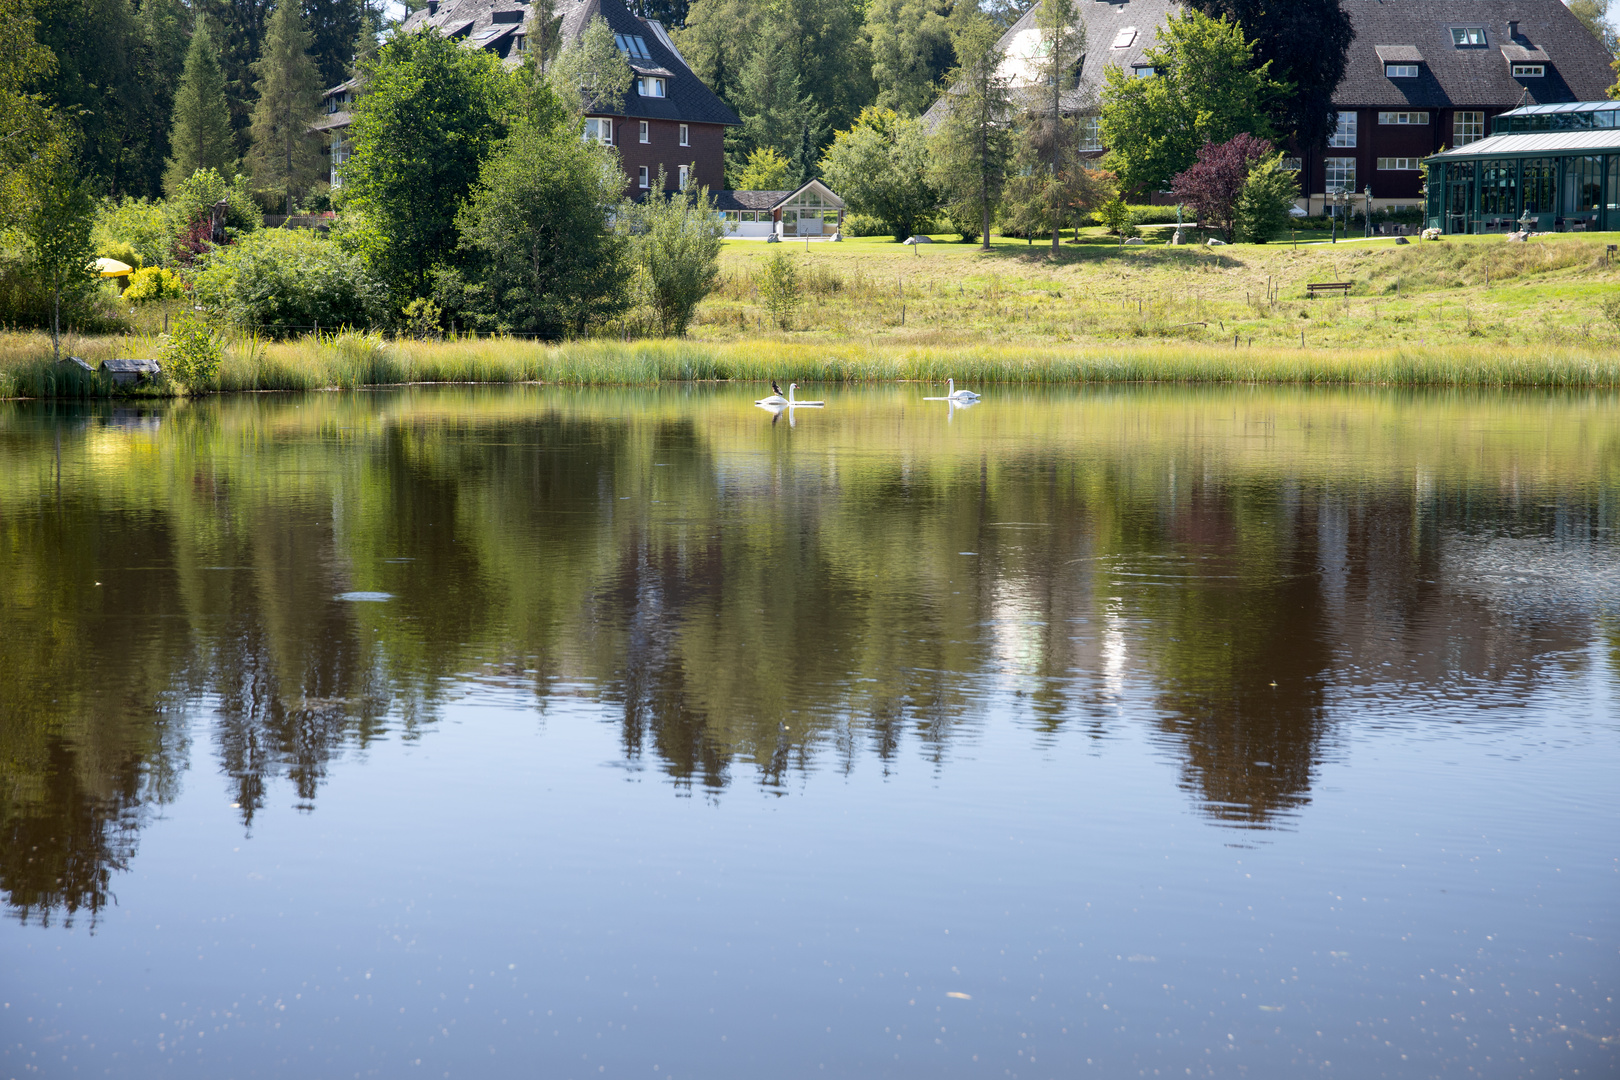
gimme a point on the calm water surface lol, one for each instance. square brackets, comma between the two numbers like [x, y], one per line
[556, 733]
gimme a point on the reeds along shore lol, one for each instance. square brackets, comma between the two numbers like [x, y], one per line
[351, 360]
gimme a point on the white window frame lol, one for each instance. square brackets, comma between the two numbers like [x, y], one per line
[1467, 126]
[642, 180]
[599, 128]
[1398, 164]
[1346, 169]
[686, 136]
[652, 86]
[1344, 135]
[1403, 118]
[1400, 71]
[1090, 133]
[645, 134]
[1467, 36]
[684, 173]
[1529, 71]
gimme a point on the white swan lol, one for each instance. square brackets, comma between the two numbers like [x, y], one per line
[959, 397]
[776, 397]
[796, 404]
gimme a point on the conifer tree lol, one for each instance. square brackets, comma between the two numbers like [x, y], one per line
[284, 157]
[200, 133]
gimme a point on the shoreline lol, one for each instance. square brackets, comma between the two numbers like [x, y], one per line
[354, 361]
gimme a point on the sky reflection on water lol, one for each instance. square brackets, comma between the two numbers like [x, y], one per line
[1234, 731]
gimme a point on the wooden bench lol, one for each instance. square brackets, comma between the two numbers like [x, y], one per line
[1316, 288]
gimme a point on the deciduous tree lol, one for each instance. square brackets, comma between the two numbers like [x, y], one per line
[766, 170]
[1213, 184]
[592, 75]
[285, 158]
[1204, 88]
[675, 242]
[56, 229]
[432, 112]
[880, 167]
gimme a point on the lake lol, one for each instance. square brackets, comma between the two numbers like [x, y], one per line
[539, 731]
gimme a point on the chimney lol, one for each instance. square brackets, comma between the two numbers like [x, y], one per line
[1513, 29]
[433, 7]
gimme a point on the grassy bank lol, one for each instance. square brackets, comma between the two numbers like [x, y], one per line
[1468, 311]
[352, 361]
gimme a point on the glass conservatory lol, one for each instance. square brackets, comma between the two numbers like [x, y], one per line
[1551, 168]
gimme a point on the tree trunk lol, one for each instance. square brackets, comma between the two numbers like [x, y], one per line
[56, 322]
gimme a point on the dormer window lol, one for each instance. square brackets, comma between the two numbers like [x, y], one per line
[632, 45]
[1141, 71]
[1400, 71]
[651, 86]
[1467, 35]
[1529, 71]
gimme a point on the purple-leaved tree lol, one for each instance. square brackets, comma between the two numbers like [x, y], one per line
[1212, 184]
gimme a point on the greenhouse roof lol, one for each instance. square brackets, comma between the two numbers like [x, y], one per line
[1535, 142]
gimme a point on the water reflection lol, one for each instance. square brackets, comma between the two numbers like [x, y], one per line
[750, 602]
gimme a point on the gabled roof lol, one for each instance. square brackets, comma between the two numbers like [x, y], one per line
[485, 24]
[1577, 63]
[688, 99]
[770, 200]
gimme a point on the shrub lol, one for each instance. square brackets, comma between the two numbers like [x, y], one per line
[676, 251]
[1116, 217]
[154, 283]
[117, 249]
[191, 353]
[863, 225]
[779, 288]
[966, 220]
[1264, 204]
[138, 224]
[284, 281]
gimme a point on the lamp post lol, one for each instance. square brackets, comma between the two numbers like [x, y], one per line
[1333, 222]
[1366, 214]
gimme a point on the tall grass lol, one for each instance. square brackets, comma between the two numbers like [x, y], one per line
[352, 360]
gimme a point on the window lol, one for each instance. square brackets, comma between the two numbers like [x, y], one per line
[1141, 71]
[1468, 35]
[684, 173]
[650, 86]
[523, 43]
[1467, 127]
[1583, 184]
[641, 178]
[1090, 133]
[1400, 71]
[1339, 174]
[1345, 133]
[632, 45]
[686, 139]
[1498, 185]
[600, 129]
[1540, 187]
[1529, 71]
[1403, 118]
[1397, 164]
[1123, 39]
[645, 135]
[1289, 164]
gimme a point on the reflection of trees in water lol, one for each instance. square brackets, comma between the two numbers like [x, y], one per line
[744, 624]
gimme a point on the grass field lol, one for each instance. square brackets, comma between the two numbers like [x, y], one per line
[1465, 311]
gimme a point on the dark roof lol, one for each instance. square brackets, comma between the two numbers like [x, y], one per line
[484, 24]
[125, 365]
[688, 98]
[332, 120]
[770, 200]
[1476, 75]
[1105, 24]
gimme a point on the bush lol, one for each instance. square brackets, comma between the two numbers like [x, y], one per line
[1116, 217]
[779, 288]
[676, 251]
[284, 281]
[863, 225]
[191, 354]
[118, 249]
[1264, 204]
[137, 224]
[966, 220]
[153, 283]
